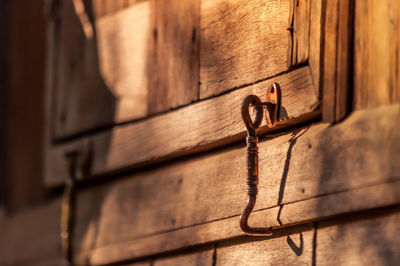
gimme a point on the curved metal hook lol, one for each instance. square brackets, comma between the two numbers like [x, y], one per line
[273, 105]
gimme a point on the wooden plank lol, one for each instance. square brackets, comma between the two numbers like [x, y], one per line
[103, 8]
[315, 44]
[204, 257]
[194, 128]
[123, 59]
[173, 70]
[299, 29]
[372, 240]
[350, 163]
[22, 102]
[241, 42]
[295, 213]
[36, 232]
[95, 85]
[337, 59]
[376, 53]
[295, 248]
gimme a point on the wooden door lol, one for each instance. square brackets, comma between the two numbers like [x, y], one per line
[147, 95]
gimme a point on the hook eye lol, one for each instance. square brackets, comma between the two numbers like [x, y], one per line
[252, 100]
[274, 97]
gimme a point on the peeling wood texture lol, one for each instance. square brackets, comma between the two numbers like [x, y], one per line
[377, 53]
[348, 163]
[32, 237]
[299, 30]
[173, 70]
[337, 59]
[241, 42]
[370, 241]
[194, 128]
[295, 248]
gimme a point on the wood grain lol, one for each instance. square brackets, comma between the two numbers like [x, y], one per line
[299, 28]
[337, 59]
[369, 241]
[123, 60]
[173, 70]
[204, 257]
[376, 52]
[241, 42]
[315, 44]
[103, 8]
[31, 236]
[198, 127]
[80, 89]
[294, 213]
[348, 163]
[293, 249]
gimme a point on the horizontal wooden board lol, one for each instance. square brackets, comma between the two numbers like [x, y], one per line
[376, 53]
[295, 248]
[32, 237]
[204, 257]
[295, 213]
[241, 42]
[200, 126]
[372, 240]
[314, 173]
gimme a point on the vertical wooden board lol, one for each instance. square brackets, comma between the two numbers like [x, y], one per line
[173, 69]
[293, 249]
[241, 42]
[377, 53]
[330, 54]
[204, 257]
[299, 28]
[336, 67]
[122, 42]
[368, 241]
[101, 72]
[80, 89]
[315, 43]
[22, 99]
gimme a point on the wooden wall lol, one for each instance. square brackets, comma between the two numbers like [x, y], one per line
[164, 183]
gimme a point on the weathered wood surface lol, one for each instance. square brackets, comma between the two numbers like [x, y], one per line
[349, 163]
[295, 213]
[294, 248]
[299, 28]
[315, 44]
[103, 8]
[123, 61]
[337, 59]
[204, 257]
[197, 127]
[31, 236]
[376, 52]
[241, 42]
[372, 240]
[79, 87]
[21, 82]
[173, 70]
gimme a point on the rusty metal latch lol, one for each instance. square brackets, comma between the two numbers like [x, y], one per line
[272, 107]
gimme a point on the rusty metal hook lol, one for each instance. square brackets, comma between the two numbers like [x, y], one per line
[273, 104]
